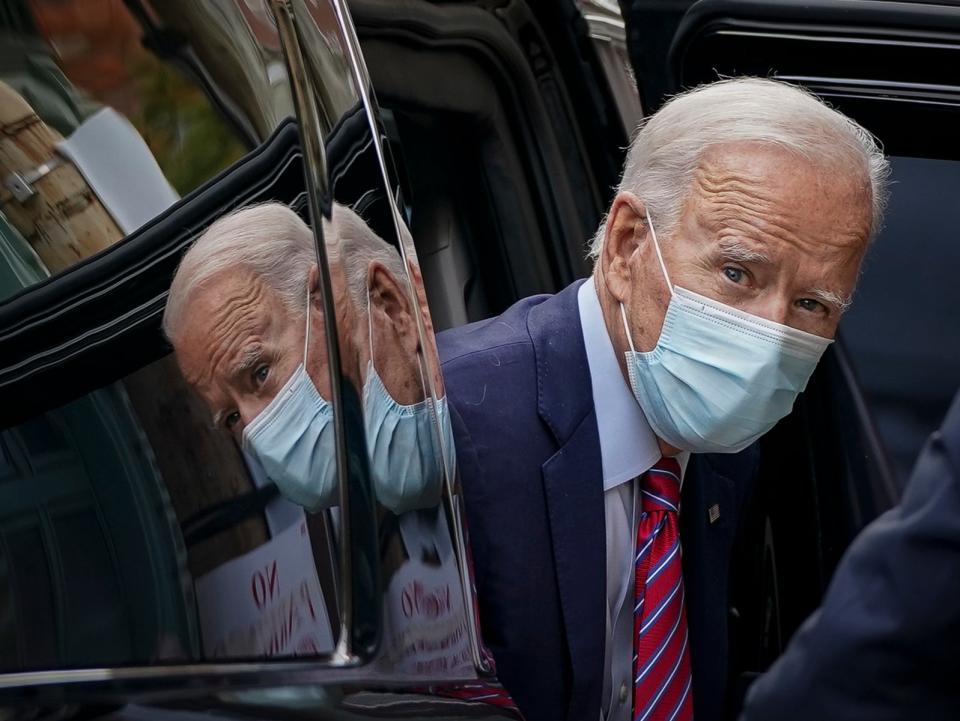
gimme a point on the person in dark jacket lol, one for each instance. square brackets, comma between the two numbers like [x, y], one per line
[884, 644]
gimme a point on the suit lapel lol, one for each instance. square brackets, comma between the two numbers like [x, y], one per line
[715, 488]
[572, 480]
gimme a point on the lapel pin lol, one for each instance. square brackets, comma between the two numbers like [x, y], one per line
[713, 513]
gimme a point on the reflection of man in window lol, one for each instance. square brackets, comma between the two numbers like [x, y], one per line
[246, 321]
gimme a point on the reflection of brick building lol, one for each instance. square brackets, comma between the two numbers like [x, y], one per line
[261, 24]
[97, 43]
[99, 46]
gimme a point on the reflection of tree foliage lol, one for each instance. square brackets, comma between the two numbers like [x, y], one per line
[189, 140]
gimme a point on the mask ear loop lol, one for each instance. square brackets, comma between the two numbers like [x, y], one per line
[656, 247]
[370, 326]
[306, 340]
[666, 277]
[626, 327]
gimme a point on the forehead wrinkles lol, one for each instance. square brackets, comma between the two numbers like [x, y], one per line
[242, 314]
[739, 199]
[825, 210]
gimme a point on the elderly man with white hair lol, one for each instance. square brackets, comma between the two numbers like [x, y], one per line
[246, 322]
[723, 267]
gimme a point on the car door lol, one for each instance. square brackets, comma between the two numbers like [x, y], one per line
[844, 454]
[506, 138]
[143, 550]
[112, 474]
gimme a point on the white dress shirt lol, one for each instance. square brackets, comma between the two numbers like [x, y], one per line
[628, 448]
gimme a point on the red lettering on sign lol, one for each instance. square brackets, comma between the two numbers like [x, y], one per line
[406, 602]
[431, 603]
[305, 593]
[265, 584]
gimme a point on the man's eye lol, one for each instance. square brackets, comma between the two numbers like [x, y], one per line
[232, 419]
[812, 306]
[735, 275]
[260, 374]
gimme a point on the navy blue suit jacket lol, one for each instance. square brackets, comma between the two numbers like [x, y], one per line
[885, 642]
[529, 458]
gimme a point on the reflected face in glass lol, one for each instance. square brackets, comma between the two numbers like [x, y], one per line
[241, 343]
[376, 306]
[393, 340]
[430, 354]
[406, 457]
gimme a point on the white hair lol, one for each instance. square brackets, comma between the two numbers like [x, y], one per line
[668, 148]
[351, 241]
[273, 243]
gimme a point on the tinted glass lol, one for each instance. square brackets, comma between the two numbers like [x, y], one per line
[903, 331]
[609, 36]
[110, 114]
[388, 359]
[133, 531]
[190, 506]
[116, 542]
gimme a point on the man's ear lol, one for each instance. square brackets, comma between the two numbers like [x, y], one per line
[313, 283]
[626, 230]
[389, 294]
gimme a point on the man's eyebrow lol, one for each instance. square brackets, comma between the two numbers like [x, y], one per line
[738, 252]
[248, 359]
[840, 301]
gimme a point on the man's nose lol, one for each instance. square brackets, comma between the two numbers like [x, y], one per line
[772, 306]
[250, 407]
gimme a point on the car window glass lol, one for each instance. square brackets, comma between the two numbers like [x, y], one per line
[136, 524]
[112, 110]
[154, 511]
[902, 330]
[134, 531]
[427, 609]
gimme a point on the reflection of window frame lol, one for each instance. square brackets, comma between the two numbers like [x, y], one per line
[609, 35]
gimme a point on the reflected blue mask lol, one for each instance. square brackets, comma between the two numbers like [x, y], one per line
[718, 378]
[406, 456]
[294, 439]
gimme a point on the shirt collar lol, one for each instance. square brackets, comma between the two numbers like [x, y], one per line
[627, 444]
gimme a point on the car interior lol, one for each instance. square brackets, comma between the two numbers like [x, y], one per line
[492, 143]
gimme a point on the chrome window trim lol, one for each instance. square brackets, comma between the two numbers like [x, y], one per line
[319, 203]
[365, 88]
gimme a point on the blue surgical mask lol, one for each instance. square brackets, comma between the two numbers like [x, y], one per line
[718, 378]
[406, 456]
[294, 440]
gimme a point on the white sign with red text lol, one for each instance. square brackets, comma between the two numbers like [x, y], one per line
[266, 603]
[426, 631]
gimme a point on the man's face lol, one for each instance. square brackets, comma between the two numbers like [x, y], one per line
[760, 231]
[240, 345]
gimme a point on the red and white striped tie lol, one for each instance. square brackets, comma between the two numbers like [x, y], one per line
[661, 661]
